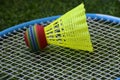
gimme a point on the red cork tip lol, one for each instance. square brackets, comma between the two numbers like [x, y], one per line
[35, 37]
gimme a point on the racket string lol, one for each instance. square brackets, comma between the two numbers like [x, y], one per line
[18, 62]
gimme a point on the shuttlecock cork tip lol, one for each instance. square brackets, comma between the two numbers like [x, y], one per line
[35, 37]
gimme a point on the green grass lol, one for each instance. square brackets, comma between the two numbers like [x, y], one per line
[13, 12]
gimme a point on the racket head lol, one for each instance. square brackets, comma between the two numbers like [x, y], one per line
[18, 62]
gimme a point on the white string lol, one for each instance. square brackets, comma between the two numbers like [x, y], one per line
[57, 62]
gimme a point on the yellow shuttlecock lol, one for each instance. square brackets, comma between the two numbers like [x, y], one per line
[70, 30]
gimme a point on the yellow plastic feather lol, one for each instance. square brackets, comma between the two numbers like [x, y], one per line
[70, 30]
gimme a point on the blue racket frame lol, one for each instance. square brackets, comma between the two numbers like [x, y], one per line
[107, 18]
[25, 24]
